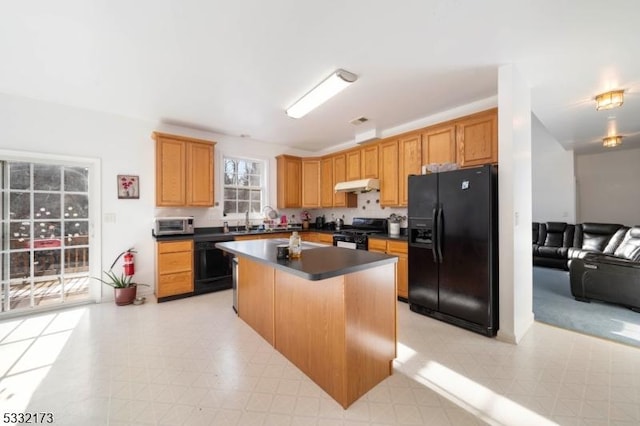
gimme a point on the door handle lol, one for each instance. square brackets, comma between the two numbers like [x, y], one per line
[439, 230]
[433, 235]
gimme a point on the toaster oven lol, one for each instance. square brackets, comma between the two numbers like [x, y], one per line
[173, 225]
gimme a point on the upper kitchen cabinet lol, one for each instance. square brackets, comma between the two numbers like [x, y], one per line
[200, 180]
[353, 164]
[184, 171]
[289, 181]
[369, 160]
[326, 182]
[410, 156]
[388, 173]
[311, 183]
[439, 144]
[477, 139]
[342, 199]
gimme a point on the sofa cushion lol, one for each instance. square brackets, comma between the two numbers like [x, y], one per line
[556, 252]
[556, 234]
[535, 228]
[629, 248]
[594, 236]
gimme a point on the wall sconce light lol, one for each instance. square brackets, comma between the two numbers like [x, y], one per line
[611, 141]
[609, 100]
[328, 88]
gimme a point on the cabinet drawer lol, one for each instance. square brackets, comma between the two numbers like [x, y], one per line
[169, 263]
[174, 284]
[397, 247]
[247, 237]
[174, 246]
[377, 245]
[277, 235]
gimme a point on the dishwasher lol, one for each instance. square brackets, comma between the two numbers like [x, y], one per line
[213, 267]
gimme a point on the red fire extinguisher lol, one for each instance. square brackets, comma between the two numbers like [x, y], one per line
[129, 268]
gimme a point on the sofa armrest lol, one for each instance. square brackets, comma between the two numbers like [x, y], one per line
[610, 260]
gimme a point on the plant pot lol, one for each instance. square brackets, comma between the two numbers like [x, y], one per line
[125, 296]
[305, 224]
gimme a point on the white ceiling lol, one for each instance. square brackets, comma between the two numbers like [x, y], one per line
[233, 67]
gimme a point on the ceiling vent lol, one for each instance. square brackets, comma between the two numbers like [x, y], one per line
[358, 121]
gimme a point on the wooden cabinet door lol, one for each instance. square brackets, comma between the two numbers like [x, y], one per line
[289, 179]
[477, 139]
[324, 238]
[400, 249]
[326, 182]
[200, 177]
[339, 175]
[439, 145]
[410, 154]
[311, 183]
[309, 236]
[388, 172]
[342, 199]
[369, 160]
[377, 245]
[353, 165]
[170, 172]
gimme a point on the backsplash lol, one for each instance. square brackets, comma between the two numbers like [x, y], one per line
[368, 206]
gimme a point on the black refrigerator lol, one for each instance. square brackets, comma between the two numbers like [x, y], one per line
[453, 247]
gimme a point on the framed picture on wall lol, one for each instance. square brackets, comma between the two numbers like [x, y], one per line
[128, 186]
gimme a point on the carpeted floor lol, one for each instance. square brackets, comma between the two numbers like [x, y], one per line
[554, 305]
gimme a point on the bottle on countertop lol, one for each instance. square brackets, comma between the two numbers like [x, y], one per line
[295, 245]
[225, 227]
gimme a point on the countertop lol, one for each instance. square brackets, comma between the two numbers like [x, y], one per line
[316, 263]
[217, 234]
[401, 237]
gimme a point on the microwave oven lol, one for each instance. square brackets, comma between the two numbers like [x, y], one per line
[173, 225]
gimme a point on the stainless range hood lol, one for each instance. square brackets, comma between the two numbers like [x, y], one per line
[361, 185]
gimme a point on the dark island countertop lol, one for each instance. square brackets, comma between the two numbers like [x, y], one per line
[317, 262]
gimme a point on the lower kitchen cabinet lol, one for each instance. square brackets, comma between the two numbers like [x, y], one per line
[174, 276]
[317, 237]
[400, 249]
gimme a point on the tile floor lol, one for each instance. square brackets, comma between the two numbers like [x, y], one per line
[193, 362]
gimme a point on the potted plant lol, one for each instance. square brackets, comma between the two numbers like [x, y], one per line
[394, 223]
[125, 289]
[305, 219]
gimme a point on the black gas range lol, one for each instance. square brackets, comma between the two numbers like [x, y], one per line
[357, 236]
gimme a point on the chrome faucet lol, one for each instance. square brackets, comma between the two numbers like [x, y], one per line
[247, 224]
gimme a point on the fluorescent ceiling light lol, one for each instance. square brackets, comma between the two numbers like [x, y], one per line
[609, 100]
[331, 86]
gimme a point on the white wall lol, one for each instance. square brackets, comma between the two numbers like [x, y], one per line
[608, 186]
[552, 177]
[514, 189]
[122, 146]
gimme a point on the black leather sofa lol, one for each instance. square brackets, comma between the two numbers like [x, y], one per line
[551, 244]
[612, 275]
[556, 243]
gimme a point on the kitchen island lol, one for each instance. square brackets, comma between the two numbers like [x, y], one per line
[332, 312]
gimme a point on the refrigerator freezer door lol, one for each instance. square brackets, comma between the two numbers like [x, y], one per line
[423, 195]
[465, 285]
[423, 262]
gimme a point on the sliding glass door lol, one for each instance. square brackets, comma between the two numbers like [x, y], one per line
[45, 234]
